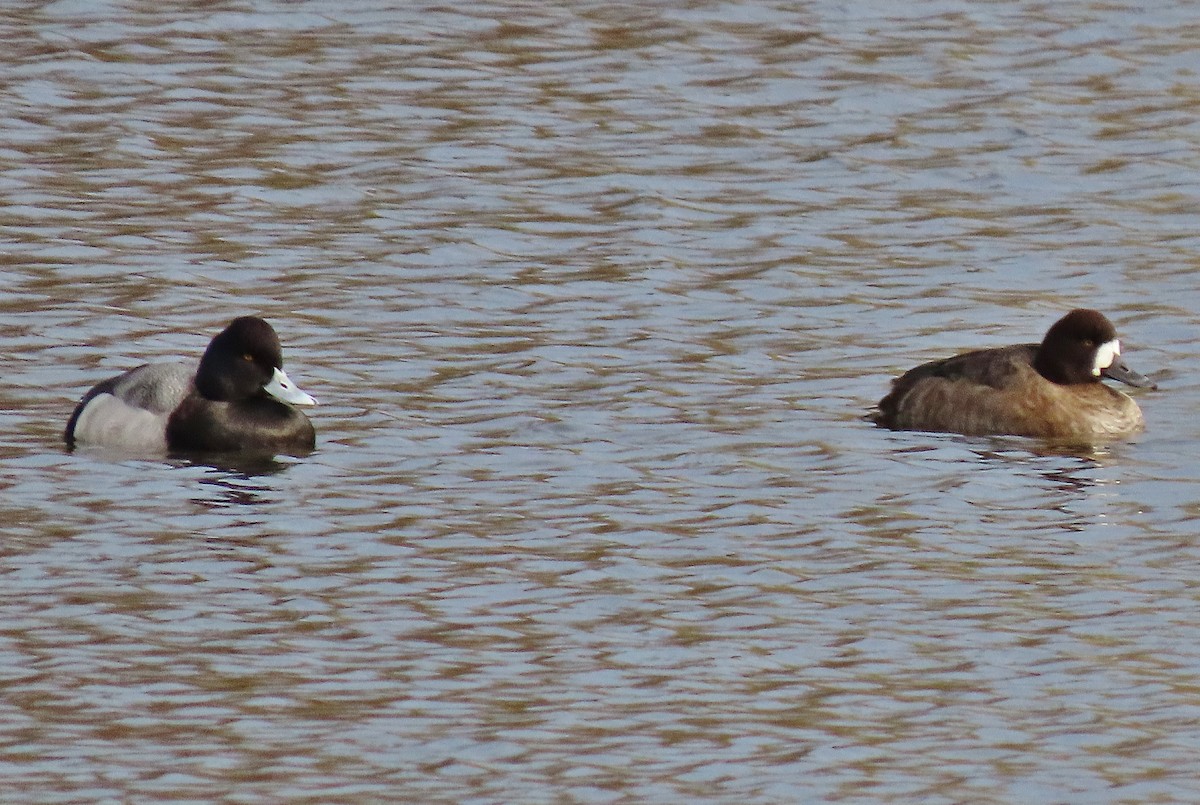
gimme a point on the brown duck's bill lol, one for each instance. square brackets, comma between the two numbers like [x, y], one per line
[1119, 371]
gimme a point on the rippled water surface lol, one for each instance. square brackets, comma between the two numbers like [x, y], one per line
[595, 297]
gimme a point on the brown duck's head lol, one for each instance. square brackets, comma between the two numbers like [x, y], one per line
[1082, 347]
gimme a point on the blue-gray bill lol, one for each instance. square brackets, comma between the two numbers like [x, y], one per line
[1119, 371]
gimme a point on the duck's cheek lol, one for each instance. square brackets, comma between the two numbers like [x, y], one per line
[1106, 353]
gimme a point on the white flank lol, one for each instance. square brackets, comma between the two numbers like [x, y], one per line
[107, 420]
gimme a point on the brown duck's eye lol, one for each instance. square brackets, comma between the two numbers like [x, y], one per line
[248, 358]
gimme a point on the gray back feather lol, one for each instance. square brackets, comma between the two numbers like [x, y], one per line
[156, 387]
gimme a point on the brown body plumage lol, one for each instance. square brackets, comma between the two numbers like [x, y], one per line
[1048, 390]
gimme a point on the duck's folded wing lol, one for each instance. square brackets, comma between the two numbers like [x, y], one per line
[951, 394]
[155, 387]
[986, 367]
[130, 411]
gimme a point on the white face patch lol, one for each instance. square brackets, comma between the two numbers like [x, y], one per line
[1106, 353]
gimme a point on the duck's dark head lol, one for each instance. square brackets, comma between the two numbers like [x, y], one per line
[1083, 347]
[245, 360]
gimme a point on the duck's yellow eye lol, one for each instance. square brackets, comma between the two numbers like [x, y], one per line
[248, 357]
